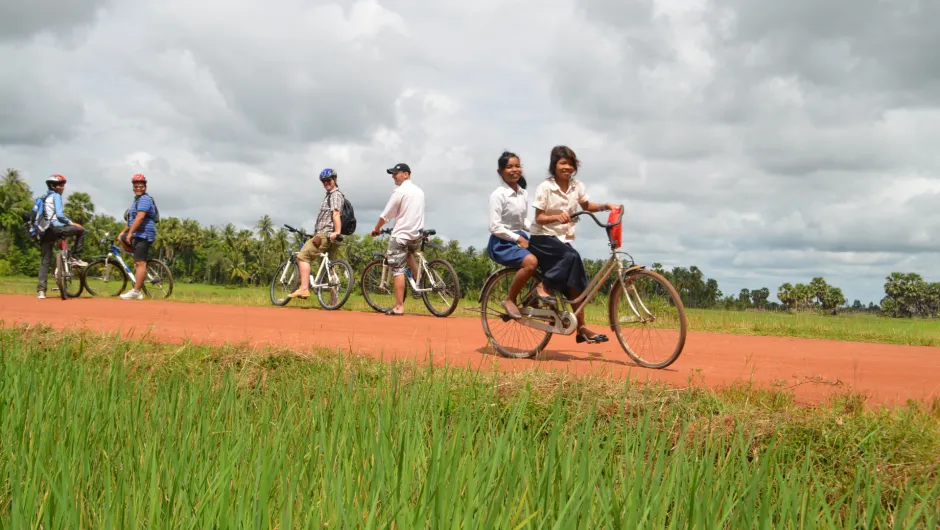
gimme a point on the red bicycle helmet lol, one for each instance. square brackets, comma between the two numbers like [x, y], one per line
[139, 177]
[55, 179]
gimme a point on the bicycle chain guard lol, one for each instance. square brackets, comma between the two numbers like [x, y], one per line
[555, 316]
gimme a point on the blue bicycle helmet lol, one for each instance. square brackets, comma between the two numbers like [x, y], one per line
[328, 173]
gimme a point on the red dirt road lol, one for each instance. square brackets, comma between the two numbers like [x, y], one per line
[889, 374]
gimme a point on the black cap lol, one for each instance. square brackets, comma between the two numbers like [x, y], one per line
[398, 167]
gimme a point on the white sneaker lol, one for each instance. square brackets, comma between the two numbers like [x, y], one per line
[77, 262]
[133, 294]
[41, 295]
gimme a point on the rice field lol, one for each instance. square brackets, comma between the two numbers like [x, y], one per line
[861, 328]
[102, 433]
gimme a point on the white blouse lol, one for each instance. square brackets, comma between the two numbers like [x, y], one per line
[550, 199]
[509, 210]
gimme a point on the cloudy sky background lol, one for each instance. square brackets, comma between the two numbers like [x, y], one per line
[762, 141]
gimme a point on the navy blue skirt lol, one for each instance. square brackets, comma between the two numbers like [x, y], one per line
[506, 253]
[561, 265]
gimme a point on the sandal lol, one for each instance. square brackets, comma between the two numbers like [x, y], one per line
[392, 313]
[299, 294]
[595, 339]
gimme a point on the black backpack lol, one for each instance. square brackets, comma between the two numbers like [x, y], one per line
[347, 216]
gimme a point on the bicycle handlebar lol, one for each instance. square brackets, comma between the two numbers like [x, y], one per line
[424, 233]
[339, 237]
[600, 224]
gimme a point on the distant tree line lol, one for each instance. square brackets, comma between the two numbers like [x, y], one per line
[228, 255]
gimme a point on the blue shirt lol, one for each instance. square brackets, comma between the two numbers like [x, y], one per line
[147, 229]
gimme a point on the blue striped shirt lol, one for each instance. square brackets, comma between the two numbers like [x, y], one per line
[147, 229]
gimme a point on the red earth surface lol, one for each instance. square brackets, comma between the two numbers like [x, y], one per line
[812, 369]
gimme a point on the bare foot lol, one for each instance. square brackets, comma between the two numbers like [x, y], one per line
[511, 308]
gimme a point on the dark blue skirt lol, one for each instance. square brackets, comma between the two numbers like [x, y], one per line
[506, 253]
[561, 265]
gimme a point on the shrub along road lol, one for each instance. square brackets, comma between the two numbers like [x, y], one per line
[813, 369]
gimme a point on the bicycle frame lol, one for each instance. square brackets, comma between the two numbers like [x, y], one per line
[565, 322]
[114, 254]
[422, 265]
[324, 266]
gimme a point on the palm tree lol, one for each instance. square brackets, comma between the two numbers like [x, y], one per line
[79, 207]
[265, 228]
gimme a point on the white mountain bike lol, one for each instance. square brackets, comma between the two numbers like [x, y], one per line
[332, 282]
[437, 282]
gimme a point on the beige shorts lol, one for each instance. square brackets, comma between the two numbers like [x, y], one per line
[309, 252]
[397, 254]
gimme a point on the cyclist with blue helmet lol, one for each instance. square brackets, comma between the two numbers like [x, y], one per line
[326, 230]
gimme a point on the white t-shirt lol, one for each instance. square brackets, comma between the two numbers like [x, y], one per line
[509, 211]
[406, 208]
[550, 199]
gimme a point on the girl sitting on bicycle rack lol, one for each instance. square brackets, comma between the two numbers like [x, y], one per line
[556, 199]
[509, 211]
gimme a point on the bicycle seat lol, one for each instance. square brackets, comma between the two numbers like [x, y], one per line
[378, 254]
[429, 232]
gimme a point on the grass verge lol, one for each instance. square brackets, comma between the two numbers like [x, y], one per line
[99, 432]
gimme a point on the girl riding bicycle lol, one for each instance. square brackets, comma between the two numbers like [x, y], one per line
[508, 214]
[556, 199]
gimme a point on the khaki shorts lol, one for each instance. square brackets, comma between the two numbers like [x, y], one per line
[309, 253]
[397, 254]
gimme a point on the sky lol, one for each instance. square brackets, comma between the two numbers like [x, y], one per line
[765, 142]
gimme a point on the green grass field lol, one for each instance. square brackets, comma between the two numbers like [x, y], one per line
[102, 433]
[862, 328]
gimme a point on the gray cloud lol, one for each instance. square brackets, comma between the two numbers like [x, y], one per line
[20, 20]
[39, 107]
[763, 143]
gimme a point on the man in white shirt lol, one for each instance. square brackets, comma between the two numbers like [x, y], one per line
[406, 209]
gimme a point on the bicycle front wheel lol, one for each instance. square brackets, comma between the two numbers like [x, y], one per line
[60, 276]
[72, 280]
[442, 279]
[340, 279]
[286, 280]
[378, 286]
[158, 282]
[102, 278]
[509, 337]
[648, 318]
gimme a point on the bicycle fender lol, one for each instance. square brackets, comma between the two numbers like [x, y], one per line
[487, 282]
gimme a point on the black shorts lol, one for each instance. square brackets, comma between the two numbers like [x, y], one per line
[141, 249]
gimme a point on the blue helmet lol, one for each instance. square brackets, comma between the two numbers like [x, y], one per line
[328, 173]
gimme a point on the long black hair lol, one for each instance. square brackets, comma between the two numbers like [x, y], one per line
[504, 160]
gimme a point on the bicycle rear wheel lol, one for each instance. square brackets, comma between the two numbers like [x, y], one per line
[442, 278]
[507, 336]
[340, 277]
[158, 281]
[648, 318]
[101, 278]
